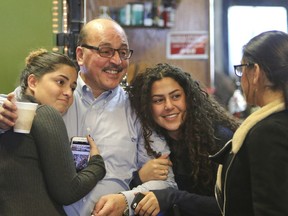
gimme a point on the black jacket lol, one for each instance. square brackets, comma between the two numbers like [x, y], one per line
[255, 179]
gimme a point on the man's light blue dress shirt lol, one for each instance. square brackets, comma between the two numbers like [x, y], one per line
[114, 128]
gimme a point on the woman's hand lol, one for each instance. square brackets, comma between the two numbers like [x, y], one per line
[148, 206]
[155, 169]
[93, 147]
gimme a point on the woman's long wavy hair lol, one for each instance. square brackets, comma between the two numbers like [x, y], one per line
[197, 130]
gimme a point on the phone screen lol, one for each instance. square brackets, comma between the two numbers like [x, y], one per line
[81, 150]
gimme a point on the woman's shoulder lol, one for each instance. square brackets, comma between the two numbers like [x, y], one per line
[276, 123]
[271, 133]
[47, 109]
[47, 118]
[222, 134]
[278, 116]
[277, 119]
[48, 114]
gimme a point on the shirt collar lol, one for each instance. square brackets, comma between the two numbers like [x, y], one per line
[83, 89]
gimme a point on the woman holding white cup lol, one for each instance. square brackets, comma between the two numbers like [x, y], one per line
[38, 174]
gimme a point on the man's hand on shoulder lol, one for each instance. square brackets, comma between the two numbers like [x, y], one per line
[112, 205]
[8, 113]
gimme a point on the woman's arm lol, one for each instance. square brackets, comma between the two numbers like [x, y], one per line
[188, 203]
[154, 169]
[63, 183]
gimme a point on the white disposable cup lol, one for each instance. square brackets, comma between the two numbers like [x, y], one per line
[26, 112]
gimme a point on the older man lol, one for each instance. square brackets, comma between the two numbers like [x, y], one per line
[101, 108]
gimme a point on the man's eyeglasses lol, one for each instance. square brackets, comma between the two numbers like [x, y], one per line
[238, 69]
[108, 52]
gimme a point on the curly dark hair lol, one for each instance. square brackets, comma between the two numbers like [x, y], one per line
[197, 130]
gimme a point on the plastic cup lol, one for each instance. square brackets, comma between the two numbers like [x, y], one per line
[26, 112]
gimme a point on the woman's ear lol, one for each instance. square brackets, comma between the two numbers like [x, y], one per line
[256, 74]
[32, 82]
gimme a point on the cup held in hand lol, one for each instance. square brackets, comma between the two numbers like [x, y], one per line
[26, 112]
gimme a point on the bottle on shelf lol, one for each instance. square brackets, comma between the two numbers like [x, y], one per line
[137, 12]
[148, 14]
[154, 13]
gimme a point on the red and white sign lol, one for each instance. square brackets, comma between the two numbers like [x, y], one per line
[187, 45]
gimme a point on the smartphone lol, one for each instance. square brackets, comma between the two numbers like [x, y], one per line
[81, 150]
[138, 197]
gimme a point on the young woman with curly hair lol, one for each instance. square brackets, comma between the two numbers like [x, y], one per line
[170, 103]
